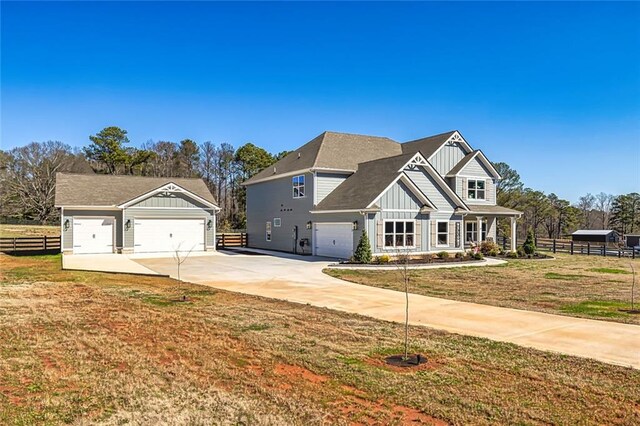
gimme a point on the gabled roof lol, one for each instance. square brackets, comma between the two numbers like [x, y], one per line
[468, 158]
[331, 151]
[82, 190]
[362, 188]
[427, 146]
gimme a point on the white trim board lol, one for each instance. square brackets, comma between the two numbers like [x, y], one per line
[169, 187]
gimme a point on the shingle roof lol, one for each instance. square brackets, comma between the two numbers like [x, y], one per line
[362, 187]
[465, 160]
[332, 150]
[427, 146]
[113, 190]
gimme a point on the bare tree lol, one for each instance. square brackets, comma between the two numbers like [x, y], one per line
[585, 204]
[402, 260]
[180, 257]
[603, 203]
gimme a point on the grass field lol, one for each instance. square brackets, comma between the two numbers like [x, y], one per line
[584, 286]
[28, 230]
[92, 348]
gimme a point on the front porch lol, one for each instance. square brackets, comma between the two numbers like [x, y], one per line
[481, 224]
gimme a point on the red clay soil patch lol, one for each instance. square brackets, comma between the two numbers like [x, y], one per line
[294, 371]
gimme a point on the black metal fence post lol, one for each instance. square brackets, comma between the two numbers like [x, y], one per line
[554, 245]
[571, 247]
[588, 249]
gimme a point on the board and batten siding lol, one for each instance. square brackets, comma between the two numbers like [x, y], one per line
[399, 197]
[447, 157]
[172, 205]
[67, 235]
[431, 189]
[326, 183]
[475, 170]
[274, 199]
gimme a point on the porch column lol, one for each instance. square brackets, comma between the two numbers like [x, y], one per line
[479, 229]
[491, 229]
[513, 233]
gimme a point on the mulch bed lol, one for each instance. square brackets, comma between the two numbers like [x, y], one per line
[413, 360]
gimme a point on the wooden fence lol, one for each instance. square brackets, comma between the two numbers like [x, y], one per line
[576, 247]
[226, 240]
[30, 245]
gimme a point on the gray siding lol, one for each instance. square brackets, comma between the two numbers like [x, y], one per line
[431, 189]
[158, 213]
[327, 182]
[473, 170]
[172, 199]
[274, 198]
[399, 197]
[447, 157]
[67, 235]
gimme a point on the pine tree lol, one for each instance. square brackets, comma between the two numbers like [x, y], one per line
[363, 251]
[529, 245]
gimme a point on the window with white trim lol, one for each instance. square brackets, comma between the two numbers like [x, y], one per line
[471, 231]
[298, 186]
[268, 231]
[277, 222]
[476, 189]
[399, 233]
[442, 232]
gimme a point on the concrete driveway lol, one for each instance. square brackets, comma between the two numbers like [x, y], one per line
[300, 279]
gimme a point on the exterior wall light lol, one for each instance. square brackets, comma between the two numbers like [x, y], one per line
[355, 225]
[127, 224]
[209, 224]
[309, 225]
[66, 224]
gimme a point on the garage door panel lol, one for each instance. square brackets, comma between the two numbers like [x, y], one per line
[167, 235]
[334, 240]
[92, 235]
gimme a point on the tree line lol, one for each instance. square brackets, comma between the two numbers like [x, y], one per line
[27, 174]
[27, 179]
[550, 216]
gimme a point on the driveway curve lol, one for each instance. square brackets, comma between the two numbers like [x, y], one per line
[300, 279]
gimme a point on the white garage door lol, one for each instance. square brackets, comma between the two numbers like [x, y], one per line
[92, 235]
[167, 235]
[334, 240]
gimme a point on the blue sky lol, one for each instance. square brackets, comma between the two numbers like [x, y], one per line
[553, 89]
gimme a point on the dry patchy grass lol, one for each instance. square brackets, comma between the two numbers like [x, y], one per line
[584, 286]
[93, 348]
[28, 230]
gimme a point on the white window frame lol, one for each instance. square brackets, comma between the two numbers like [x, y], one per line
[267, 231]
[474, 231]
[438, 233]
[296, 185]
[277, 222]
[475, 189]
[394, 233]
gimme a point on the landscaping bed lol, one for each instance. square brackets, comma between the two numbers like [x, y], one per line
[93, 348]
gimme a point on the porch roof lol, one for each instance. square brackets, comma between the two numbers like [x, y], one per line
[492, 211]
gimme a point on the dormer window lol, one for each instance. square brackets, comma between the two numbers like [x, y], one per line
[475, 190]
[298, 186]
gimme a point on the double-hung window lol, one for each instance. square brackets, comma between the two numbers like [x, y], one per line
[442, 232]
[471, 232]
[475, 189]
[298, 186]
[399, 233]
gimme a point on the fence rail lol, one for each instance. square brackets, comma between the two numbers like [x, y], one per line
[577, 247]
[226, 240]
[29, 244]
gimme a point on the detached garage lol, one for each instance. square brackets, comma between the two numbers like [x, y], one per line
[131, 214]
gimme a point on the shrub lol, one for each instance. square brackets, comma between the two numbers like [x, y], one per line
[478, 256]
[529, 245]
[443, 255]
[512, 254]
[363, 251]
[459, 255]
[493, 252]
[488, 246]
[521, 252]
[383, 259]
